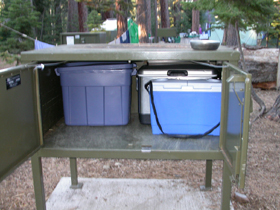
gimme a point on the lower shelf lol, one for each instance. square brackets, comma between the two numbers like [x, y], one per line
[132, 137]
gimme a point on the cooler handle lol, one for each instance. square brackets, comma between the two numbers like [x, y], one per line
[177, 73]
[149, 88]
[56, 72]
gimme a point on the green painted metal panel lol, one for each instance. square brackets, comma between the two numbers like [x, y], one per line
[166, 32]
[50, 97]
[19, 130]
[236, 103]
[133, 137]
[226, 187]
[126, 154]
[38, 183]
[246, 128]
[111, 35]
[83, 37]
[128, 52]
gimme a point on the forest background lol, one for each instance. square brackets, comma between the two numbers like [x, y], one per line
[46, 19]
[23, 21]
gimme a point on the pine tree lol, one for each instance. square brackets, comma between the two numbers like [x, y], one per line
[165, 22]
[53, 19]
[276, 23]
[20, 16]
[94, 20]
[142, 21]
[241, 14]
[195, 20]
[121, 13]
[83, 15]
[121, 8]
[73, 19]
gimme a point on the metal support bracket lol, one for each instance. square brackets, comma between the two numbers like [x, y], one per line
[78, 186]
[208, 177]
[226, 187]
[203, 188]
[236, 78]
[74, 174]
[38, 182]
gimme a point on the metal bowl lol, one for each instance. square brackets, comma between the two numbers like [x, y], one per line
[205, 44]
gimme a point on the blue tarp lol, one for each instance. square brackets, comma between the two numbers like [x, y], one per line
[41, 45]
[125, 37]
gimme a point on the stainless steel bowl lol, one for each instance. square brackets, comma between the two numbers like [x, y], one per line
[205, 44]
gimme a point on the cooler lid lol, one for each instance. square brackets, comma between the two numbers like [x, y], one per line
[210, 85]
[189, 72]
[177, 70]
[96, 68]
[89, 63]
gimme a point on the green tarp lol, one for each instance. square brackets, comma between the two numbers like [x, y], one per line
[133, 31]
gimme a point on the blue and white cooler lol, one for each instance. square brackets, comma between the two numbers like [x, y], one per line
[185, 107]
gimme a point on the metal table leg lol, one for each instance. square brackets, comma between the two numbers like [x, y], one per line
[74, 174]
[38, 182]
[208, 176]
[226, 187]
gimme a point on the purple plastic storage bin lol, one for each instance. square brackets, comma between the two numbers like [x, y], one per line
[96, 95]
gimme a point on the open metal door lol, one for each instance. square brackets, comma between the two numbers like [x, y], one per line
[236, 108]
[20, 133]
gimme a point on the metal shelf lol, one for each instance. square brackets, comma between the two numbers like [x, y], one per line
[130, 139]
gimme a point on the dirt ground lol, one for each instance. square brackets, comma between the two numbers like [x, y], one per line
[262, 178]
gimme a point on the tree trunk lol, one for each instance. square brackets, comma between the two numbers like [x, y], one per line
[121, 19]
[231, 39]
[72, 22]
[253, 93]
[156, 19]
[266, 39]
[142, 21]
[149, 27]
[107, 14]
[165, 23]
[33, 29]
[83, 13]
[195, 20]
[225, 36]
[277, 42]
[177, 14]
[42, 26]
[58, 22]
[274, 112]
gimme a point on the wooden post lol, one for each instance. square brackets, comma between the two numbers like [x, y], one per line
[278, 73]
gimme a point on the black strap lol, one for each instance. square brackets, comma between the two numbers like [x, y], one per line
[149, 88]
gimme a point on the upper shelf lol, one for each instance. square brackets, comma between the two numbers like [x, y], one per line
[126, 52]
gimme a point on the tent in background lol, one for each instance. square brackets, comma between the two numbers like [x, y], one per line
[248, 37]
[111, 24]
